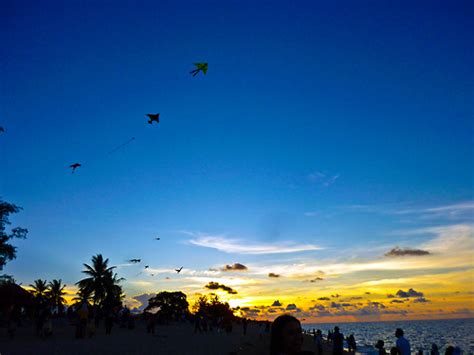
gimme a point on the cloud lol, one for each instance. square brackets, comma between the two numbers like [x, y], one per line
[217, 286]
[276, 304]
[421, 300]
[324, 299]
[410, 293]
[397, 301]
[316, 279]
[457, 211]
[322, 178]
[318, 307]
[451, 238]
[238, 246]
[339, 305]
[291, 307]
[234, 267]
[271, 274]
[461, 210]
[407, 252]
[143, 300]
[377, 304]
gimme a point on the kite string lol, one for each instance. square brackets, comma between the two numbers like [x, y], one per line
[121, 145]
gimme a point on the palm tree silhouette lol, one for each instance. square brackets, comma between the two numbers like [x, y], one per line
[55, 294]
[83, 296]
[40, 289]
[102, 283]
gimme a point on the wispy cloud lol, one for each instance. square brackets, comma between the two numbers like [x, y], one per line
[239, 246]
[447, 210]
[322, 178]
[458, 211]
[454, 239]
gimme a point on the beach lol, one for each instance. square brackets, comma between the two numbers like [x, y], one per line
[178, 339]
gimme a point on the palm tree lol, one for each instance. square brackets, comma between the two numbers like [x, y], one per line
[40, 289]
[114, 291]
[102, 283]
[83, 296]
[55, 294]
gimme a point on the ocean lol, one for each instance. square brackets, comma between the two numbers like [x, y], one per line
[420, 333]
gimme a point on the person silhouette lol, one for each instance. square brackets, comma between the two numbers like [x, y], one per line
[338, 342]
[403, 345]
[380, 346]
[352, 345]
[434, 349]
[287, 336]
[318, 340]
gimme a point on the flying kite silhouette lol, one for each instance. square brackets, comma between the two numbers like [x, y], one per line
[199, 67]
[153, 117]
[135, 261]
[74, 167]
[146, 266]
[2, 129]
[178, 270]
[157, 238]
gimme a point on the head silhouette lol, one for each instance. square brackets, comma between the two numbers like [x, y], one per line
[286, 337]
[399, 332]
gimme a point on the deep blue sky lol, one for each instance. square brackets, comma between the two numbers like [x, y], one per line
[375, 93]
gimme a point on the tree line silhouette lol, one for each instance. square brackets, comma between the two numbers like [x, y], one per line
[101, 288]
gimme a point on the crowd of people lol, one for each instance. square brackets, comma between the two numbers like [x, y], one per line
[287, 339]
[286, 333]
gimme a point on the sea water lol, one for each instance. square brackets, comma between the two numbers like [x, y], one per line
[420, 333]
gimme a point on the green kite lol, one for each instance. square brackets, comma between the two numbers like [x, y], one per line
[199, 67]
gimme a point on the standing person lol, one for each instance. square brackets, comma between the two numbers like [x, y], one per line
[245, 325]
[40, 317]
[13, 317]
[351, 343]
[287, 337]
[318, 340]
[403, 345]
[83, 314]
[337, 342]
[434, 349]
[380, 345]
[197, 324]
[150, 323]
[109, 321]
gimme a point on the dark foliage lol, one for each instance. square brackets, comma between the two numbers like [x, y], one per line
[172, 305]
[8, 251]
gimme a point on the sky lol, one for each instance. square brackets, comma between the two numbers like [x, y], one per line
[329, 145]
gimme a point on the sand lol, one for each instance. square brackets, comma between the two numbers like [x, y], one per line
[176, 339]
